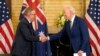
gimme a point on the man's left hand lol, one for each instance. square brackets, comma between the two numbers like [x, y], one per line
[80, 52]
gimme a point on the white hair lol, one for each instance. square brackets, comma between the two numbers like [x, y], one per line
[71, 8]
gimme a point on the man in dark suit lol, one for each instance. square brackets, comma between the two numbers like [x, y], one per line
[24, 38]
[77, 32]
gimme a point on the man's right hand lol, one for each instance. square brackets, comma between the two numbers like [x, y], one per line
[43, 38]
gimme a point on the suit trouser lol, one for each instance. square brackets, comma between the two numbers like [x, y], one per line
[71, 51]
[13, 55]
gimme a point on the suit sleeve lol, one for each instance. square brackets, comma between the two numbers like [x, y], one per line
[59, 34]
[27, 34]
[84, 33]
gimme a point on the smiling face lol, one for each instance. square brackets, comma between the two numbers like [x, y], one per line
[69, 12]
[32, 15]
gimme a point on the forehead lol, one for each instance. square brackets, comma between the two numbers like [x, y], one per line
[33, 11]
[66, 10]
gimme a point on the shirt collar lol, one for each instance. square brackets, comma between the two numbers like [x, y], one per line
[27, 19]
[72, 19]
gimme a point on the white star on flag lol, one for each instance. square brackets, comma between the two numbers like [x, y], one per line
[41, 33]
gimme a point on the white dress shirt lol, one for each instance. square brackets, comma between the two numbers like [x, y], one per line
[72, 21]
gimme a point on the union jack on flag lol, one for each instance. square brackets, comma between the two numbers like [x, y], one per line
[39, 26]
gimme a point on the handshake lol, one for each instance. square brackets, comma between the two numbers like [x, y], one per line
[43, 38]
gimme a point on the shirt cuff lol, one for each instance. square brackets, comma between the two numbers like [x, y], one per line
[48, 37]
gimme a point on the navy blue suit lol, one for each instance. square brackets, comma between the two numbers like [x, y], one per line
[78, 35]
[24, 38]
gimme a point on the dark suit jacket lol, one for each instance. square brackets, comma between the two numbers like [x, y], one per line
[78, 35]
[22, 45]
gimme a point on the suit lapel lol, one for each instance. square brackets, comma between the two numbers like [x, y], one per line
[68, 28]
[29, 25]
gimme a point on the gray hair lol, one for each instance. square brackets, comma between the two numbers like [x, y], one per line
[71, 8]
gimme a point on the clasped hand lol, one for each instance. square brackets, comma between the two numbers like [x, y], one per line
[43, 38]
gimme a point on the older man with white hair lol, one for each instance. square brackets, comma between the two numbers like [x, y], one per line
[77, 31]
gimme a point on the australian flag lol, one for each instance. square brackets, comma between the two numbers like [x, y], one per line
[40, 26]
